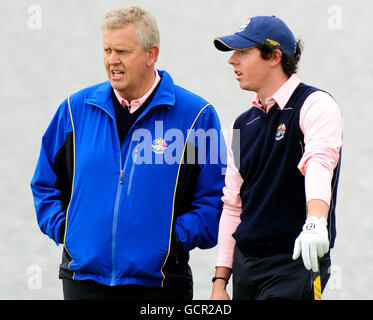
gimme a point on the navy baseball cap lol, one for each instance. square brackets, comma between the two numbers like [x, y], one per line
[257, 29]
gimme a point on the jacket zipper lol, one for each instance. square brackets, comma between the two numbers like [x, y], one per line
[116, 213]
[115, 222]
[133, 168]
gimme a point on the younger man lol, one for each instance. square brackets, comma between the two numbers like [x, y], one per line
[282, 175]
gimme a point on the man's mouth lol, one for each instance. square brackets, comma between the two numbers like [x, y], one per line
[239, 74]
[117, 74]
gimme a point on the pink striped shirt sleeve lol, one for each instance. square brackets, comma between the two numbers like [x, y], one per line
[322, 126]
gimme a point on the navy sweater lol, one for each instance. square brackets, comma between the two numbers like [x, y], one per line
[267, 152]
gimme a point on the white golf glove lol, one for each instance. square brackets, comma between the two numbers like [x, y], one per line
[312, 242]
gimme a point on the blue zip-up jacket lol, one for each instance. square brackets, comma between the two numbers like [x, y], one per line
[120, 211]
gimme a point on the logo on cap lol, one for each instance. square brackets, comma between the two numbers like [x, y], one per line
[244, 25]
[273, 42]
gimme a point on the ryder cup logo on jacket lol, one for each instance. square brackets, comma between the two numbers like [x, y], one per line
[159, 146]
[281, 129]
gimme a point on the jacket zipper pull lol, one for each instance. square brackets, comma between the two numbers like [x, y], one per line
[121, 177]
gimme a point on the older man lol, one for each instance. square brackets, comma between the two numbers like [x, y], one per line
[128, 179]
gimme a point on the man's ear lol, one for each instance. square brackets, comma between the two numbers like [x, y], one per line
[153, 53]
[276, 57]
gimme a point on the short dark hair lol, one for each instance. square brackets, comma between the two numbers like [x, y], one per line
[289, 62]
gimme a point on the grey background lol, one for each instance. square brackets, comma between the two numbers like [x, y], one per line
[39, 68]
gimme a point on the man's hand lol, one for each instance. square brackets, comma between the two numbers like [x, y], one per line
[219, 289]
[313, 242]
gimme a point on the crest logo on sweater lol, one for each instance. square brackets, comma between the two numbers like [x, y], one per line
[281, 129]
[159, 146]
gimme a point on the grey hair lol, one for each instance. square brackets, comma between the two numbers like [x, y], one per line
[147, 29]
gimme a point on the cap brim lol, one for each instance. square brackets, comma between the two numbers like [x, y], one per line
[233, 42]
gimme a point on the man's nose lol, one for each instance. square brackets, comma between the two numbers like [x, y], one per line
[114, 58]
[232, 59]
